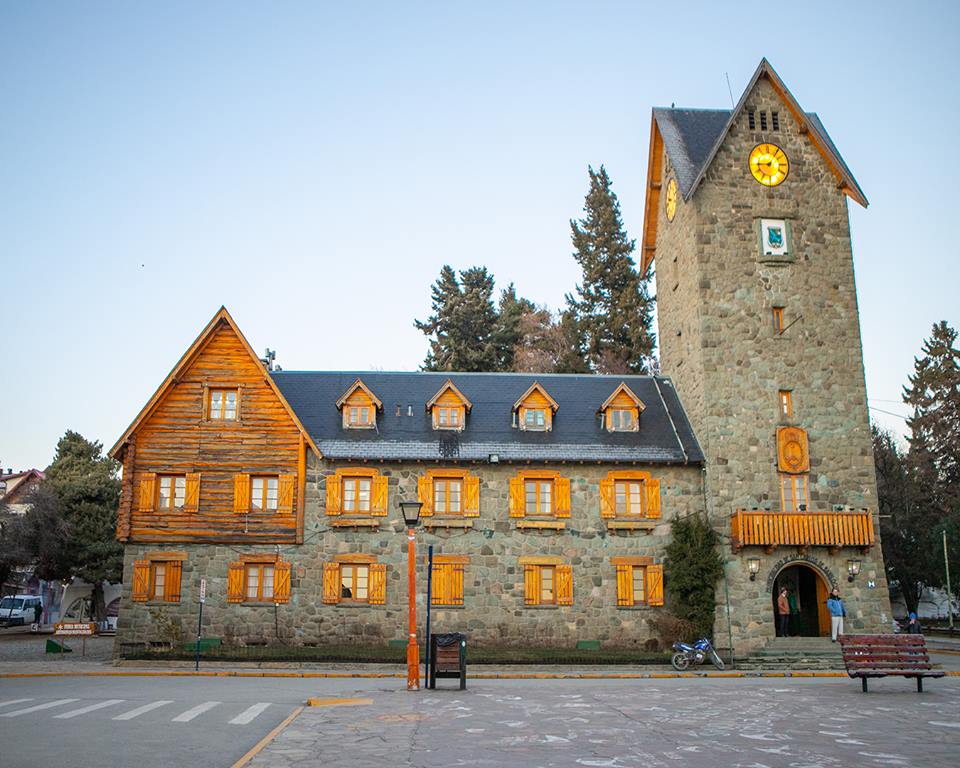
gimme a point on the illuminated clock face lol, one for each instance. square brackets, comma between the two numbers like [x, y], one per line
[671, 199]
[768, 164]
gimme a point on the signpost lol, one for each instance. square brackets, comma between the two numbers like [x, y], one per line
[203, 599]
[81, 629]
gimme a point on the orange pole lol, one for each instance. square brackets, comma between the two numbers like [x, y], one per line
[413, 650]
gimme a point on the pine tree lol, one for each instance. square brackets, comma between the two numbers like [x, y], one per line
[87, 492]
[508, 334]
[463, 325]
[613, 309]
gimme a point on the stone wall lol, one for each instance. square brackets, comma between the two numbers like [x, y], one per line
[728, 363]
[493, 611]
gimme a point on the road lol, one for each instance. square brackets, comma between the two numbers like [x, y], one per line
[147, 722]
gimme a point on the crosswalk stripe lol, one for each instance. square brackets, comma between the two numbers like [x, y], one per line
[38, 707]
[8, 702]
[186, 717]
[90, 708]
[250, 714]
[143, 710]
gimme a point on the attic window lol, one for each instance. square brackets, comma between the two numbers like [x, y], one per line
[775, 119]
[621, 411]
[448, 407]
[752, 119]
[763, 121]
[359, 407]
[535, 409]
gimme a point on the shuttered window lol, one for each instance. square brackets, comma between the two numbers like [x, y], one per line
[357, 492]
[171, 491]
[638, 584]
[258, 579]
[449, 492]
[356, 495]
[629, 494]
[539, 493]
[354, 582]
[629, 497]
[264, 493]
[156, 581]
[547, 584]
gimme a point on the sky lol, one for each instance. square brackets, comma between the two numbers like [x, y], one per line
[313, 165]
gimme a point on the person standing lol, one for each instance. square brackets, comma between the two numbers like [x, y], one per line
[783, 610]
[837, 613]
[37, 612]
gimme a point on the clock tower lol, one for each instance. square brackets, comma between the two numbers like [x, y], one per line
[746, 221]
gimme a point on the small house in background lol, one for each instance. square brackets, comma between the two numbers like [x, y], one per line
[16, 487]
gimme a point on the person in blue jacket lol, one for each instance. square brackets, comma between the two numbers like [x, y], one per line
[837, 612]
[913, 625]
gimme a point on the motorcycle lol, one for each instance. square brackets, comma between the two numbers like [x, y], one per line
[695, 654]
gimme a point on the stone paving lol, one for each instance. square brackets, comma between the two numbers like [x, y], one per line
[820, 723]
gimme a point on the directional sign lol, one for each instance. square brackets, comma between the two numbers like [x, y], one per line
[203, 590]
[77, 628]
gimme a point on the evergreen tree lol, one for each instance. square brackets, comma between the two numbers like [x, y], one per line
[87, 492]
[463, 325]
[509, 332]
[612, 309]
[692, 569]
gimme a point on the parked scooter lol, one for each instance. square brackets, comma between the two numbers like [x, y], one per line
[687, 655]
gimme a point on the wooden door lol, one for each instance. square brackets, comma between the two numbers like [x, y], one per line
[822, 613]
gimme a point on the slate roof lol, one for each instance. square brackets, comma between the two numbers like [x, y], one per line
[690, 136]
[665, 435]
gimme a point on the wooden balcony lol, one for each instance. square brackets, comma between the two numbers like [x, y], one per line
[759, 528]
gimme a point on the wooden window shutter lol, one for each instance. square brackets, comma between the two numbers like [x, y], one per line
[471, 496]
[564, 575]
[285, 488]
[148, 492]
[141, 580]
[171, 586]
[191, 501]
[331, 582]
[563, 496]
[378, 583]
[440, 578]
[378, 495]
[333, 496]
[624, 585]
[281, 583]
[235, 582]
[455, 582]
[241, 494]
[655, 585]
[425, 495]
[518, 502]
[653, 497]
[608, 502]
[531, 585]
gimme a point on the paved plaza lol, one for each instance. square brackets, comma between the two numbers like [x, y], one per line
[713, 723]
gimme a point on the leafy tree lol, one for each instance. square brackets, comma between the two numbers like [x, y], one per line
[86, 490]
[612, 309]
[463, 325]
[692, 568]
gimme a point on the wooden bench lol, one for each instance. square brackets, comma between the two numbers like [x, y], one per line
[867, 656]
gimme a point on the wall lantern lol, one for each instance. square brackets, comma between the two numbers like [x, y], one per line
[853, 568]
[753, 564]
[411, 512]
[494, 458]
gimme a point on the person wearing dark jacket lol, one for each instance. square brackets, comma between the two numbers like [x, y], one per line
[783, 610]
[913, 625]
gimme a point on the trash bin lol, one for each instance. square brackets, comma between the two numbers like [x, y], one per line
[448, 657]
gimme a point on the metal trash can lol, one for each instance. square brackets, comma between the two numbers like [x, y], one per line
[448, 657]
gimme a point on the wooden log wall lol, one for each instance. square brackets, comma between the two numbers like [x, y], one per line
[178, 438]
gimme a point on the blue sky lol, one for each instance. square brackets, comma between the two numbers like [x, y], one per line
[312, 165]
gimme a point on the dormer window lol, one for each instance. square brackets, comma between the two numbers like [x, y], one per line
[534, 410]
[359, 407]
[449, 407]
[621, 411]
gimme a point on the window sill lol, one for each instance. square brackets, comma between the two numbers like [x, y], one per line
[546, 607]
[354, 522]
[446, 522]
[159, 602]
[555, 525]
[638, 607]
[259, 603]
[631, 525]
[355, 604]
[438, 607]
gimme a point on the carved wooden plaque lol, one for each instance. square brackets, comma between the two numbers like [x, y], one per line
[793, 454]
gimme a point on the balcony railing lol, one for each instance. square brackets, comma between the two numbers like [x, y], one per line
[759, 528]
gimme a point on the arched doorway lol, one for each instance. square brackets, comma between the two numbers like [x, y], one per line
[811, 590]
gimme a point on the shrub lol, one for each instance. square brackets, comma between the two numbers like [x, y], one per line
[692, 569]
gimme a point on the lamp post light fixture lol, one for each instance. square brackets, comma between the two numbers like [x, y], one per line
[411, 517]
[853, 569]
[753, 564]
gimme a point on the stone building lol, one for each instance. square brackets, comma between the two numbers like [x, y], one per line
[547, 499]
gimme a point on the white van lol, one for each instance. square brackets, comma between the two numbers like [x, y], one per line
[19, 609]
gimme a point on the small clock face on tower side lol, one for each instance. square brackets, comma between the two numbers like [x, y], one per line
[769, 164]
[671, 202]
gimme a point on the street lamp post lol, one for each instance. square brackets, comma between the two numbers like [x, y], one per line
[411, 516]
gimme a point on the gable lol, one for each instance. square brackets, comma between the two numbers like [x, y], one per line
[219, 357]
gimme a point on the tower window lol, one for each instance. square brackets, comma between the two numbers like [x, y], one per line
[778, 319]
[775, 120]
[763, 121]
[786, 403]
[752, 119]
